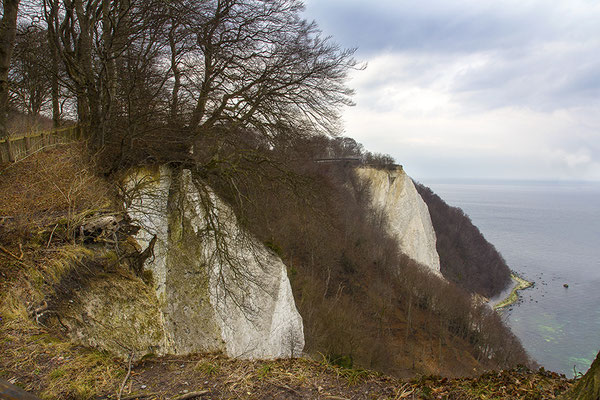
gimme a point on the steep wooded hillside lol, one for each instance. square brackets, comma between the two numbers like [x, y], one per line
[466, 258]
[362, 301]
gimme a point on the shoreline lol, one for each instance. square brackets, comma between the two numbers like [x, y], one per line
[521, 284]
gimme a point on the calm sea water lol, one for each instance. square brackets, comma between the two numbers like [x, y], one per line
[550, 234]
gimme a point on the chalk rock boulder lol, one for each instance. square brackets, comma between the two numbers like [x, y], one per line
[393, 193]
[218, 287]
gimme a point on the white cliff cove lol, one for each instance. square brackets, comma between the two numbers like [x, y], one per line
[393, 194]
[218, 287]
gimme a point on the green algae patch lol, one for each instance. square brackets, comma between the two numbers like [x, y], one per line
[512, 298]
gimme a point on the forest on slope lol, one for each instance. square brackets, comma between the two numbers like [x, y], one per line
[466, 258]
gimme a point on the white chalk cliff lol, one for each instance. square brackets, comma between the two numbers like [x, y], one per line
[218, 287]
[394, 194]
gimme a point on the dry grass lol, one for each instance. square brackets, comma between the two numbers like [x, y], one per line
[44, 198]
[50, 185]
[33, 356]
[518, 383]
[218, 377]
[53, 368]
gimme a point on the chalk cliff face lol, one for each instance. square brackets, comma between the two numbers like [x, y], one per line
[218, 287]
[394, 194]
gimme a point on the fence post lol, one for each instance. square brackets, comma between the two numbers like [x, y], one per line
[11, 156]
[27, 144]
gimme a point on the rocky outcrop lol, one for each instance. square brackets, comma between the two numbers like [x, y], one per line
[393, 194]
[116, 313]
[218, 287]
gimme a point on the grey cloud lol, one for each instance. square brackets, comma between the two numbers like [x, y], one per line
[427, 26]
[538, 57]
[524, 69]
[541, 81]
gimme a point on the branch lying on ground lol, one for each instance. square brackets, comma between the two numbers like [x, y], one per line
[126, 377]
[11, 254]
[191, 395]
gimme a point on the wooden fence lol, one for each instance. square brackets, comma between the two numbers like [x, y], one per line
[15, 148]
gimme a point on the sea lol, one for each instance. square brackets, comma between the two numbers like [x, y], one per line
[549, 233]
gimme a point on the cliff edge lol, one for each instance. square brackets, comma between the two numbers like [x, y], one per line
[219, 288]
[394, 195]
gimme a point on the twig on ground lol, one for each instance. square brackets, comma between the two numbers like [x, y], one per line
[39, 311]
[139, 396]
[285, 387]
[51, 234]
[191, 395]
[11, 255]
[126, 376]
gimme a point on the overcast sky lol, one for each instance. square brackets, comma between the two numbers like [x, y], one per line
[506, 89]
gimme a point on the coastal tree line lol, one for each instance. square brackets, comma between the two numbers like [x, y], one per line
[466, 258]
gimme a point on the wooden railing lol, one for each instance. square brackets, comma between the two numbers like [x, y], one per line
[15, 148]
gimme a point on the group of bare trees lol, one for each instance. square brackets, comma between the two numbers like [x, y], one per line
[138, 71]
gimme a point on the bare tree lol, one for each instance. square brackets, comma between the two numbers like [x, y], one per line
[260, 66]
[8, 31]
[88, 36]
[30, 74]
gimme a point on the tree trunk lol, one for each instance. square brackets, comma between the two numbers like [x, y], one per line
[588, 387]
[54, 84]
[8, 31]
[94, 102]
[174, 117]
[51, 14]
[83, 109]
[110, 67]
[9, 391]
